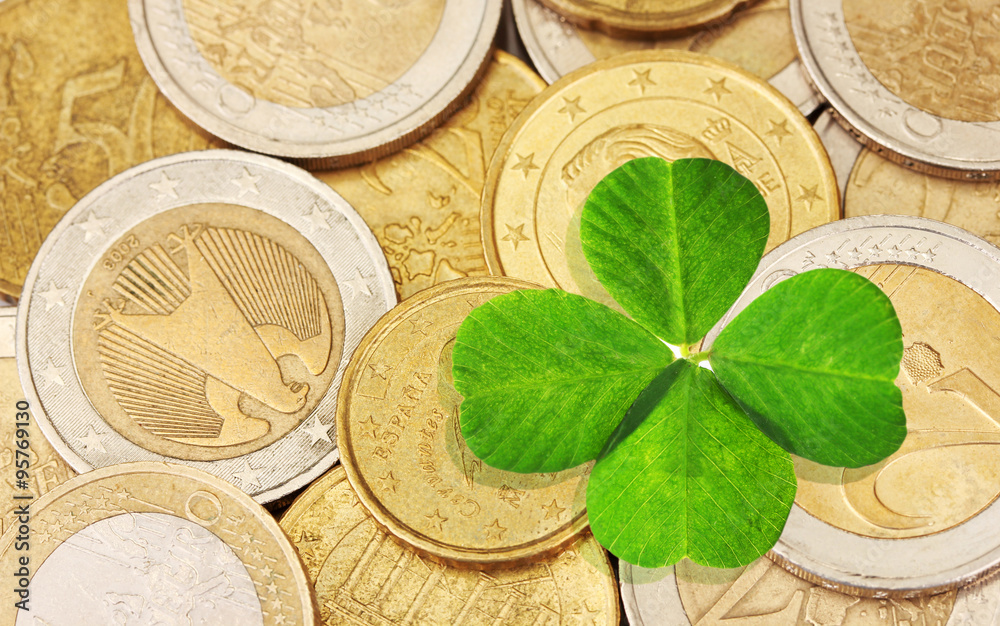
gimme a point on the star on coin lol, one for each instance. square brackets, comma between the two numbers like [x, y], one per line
[53, 296]
[247, 476]
[809, 195]
[166, 187]
[515, 235]
[53, 375]
[247, 538]
[371, 429]
[718, 89]
[272, 587]
[585, 613]
[279, 619]
[525, 164]
[318, 431]
[358, 286]
[389, 482]
[436, 520]
[380, 369]
[572, 108]
[318, 218]
[641, 80]
[93, 227]
[247, 183]
[778, 131]
[92, 441]
[420, 326]
[266, 571]
[494, 530]
[552, 510]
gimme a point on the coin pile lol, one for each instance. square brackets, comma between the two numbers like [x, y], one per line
[203, 327]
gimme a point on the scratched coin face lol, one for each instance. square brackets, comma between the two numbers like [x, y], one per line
[153, 543]
[758, 39]
[914, 522]
[664, 103]
[329, 84]
[201, 309]
[919, 81]
[764, 593]
[363, 574]
[75, 109]
[403, 449]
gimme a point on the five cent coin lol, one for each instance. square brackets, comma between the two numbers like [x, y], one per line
[362, 574]
[201, 309]
[327, 84]
[401, 444]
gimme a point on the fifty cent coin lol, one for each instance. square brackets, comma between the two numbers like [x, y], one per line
[76, 107]
[400, 441]
[364, 575]
[154, 543]
[917, 81]
[329, 84]
[201, 309]
[765, 594]
[926, 518]
[664, 103]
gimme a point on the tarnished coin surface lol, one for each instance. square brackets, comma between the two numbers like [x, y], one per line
[765, 594]
[423, 202]
[665, 103]
[926, 518]
[919, 81]
[328, 84]
[758, 39]
[43, 468]
[76, 107]
[155, 543]
[644, 18]
[402, 447]
[201, 308]
[363, 575]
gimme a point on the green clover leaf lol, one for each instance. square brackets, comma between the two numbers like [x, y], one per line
[691, 462]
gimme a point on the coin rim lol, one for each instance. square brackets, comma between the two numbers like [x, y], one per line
[626, 25]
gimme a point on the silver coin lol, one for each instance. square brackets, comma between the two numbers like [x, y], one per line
[957, 135]
[841, 146]
[556, 48]
[866, 564]
[763, 593]
[201, 309]
[327, 86]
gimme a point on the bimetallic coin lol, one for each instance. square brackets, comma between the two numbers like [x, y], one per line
[765, 594]
[154, 543]
[918, 81]
[327, 84]
[644, 18]
[201, 308]
[758, 39]
[363, 575]
[76, 107]
[665, 103]
[400, 441]
[45, 468]
[423, 202]
[926, 518]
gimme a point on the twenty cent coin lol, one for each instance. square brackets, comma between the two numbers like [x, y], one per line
[330, 84]
[201, 309]
[423, 202]
[400, 441]
[919, 80]
[926, 518]
[664, 103]
[362, 574]
[76, 107]
[153, 543]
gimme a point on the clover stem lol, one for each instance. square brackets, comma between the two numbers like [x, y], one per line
[697, 357]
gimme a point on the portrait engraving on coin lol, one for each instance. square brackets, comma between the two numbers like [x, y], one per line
[208, 332]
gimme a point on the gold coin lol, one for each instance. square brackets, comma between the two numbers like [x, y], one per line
[423, 203]
[665, 103]
[644, 18]
[947, 470]
[400, 441]
[76, 107]
[879, 186]
[758, 39]
[939, 56]
[362, 575]
[45, 468]
[155, 543]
